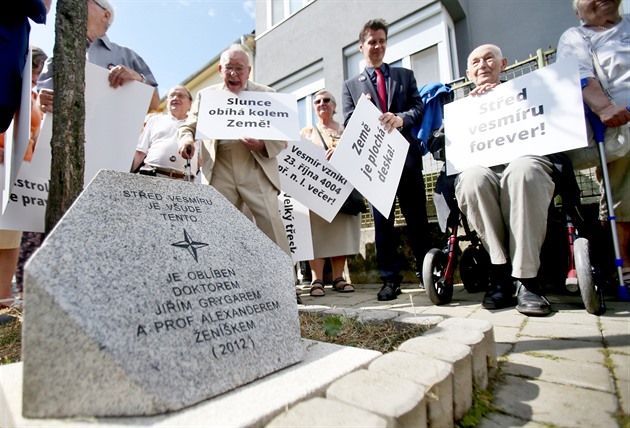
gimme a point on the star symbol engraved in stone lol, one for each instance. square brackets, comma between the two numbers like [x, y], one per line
[190, 245]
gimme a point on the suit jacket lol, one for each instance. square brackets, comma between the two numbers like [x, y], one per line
[267, 161]
[403, 99]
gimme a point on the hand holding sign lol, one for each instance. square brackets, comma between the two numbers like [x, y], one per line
[371, 158]
[534, 114]
[224, 115]
[308, 177]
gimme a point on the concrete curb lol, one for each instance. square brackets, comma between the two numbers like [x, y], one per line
[427, 382]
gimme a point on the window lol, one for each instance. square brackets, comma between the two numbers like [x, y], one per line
[277, 11]
[304, 84]
[426, 65]
[423, 42]
[282, 9]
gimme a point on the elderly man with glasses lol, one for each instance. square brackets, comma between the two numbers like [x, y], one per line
[123, 63]
[157, 148]
[243, 170]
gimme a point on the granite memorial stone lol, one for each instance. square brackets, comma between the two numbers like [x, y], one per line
[151, 295]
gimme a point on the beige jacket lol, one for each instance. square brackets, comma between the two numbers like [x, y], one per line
[266, 159]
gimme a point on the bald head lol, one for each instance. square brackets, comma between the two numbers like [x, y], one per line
[485, 64]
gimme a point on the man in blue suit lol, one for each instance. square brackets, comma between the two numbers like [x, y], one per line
[395, 93]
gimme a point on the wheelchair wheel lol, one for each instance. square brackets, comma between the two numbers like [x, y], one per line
[474, 267]
[590, 295]
[439, 288]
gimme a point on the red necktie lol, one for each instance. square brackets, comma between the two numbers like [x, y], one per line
[380, 88]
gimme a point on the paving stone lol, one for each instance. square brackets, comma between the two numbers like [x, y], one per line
[500, 318]
[550, 403]
[456, 354]
[503, 349]
[497, 420]
[623, 388]
[506, 335]
[402, 402]
[583, 375]
[578, 317]
[617, 334]
[575, 350]
[326, 413]
[622, 365]
[435, 375]
[588, 332]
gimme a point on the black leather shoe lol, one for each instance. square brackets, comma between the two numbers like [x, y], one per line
[389, 291]
[530, 299]
[498, 297]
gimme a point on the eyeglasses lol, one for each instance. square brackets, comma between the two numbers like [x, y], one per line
[320, 100]
[233, 69]
[99, 4]
[175, 95]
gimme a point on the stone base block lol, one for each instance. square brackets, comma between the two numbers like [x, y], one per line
[456, 354]
[435, 375]
[472, 338]
[485, 327]
[327, 413]
[401, 402]
[251, 405]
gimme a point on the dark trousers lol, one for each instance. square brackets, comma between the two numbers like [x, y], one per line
[412, 201]
[13, 50]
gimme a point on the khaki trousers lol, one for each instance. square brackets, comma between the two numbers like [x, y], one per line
[619, 174]
[514, 203]
[238, 177]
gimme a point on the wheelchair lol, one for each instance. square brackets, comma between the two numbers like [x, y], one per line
[439, 265]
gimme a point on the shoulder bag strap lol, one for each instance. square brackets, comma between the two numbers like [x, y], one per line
[601, 76]
[321, 137]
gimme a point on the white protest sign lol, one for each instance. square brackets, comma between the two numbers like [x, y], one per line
[18, 135]
[370, 158]
[26, 209]
[310, 178]
[224, 115]
[113, 123]
[297, 224]
[535, 114]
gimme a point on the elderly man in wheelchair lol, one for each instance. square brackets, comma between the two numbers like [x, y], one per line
[508, 205]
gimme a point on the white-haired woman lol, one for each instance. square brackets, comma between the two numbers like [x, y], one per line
[607, 33]
[340, 238]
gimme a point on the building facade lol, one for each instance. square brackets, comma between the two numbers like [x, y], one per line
[303, 46]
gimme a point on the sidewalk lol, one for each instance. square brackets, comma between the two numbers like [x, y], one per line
[568, 369]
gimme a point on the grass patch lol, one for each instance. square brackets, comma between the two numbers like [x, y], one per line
[11, 338]
[543, 355]
[384, 336]
[623, 419]
[481, 407]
